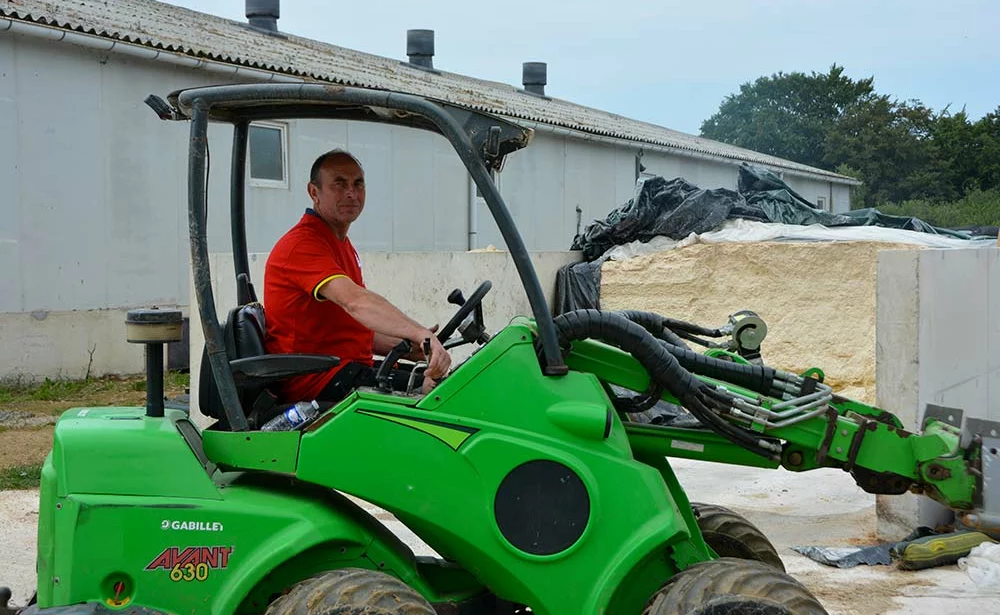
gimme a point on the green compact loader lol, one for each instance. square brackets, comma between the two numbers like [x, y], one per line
[529, 470]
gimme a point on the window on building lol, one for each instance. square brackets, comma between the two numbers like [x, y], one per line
[268, 155]
[821, 203]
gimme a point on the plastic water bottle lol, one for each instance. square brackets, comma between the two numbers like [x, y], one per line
[292, 417]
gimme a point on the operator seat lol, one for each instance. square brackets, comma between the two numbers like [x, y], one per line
[253, 369]
[243, 333]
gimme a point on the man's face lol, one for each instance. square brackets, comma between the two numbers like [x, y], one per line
[340, 197]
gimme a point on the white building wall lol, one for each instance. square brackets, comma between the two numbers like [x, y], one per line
[841, 198]
[811, 190]
[417, 188]
[93, 212]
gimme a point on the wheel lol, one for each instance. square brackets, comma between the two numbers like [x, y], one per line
[351, 591]
[731, 586]
[731, 535]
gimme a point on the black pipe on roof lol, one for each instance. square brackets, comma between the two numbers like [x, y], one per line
[420, 47]
[263, 14]
[534, 77]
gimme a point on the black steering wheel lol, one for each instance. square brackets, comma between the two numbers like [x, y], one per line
[383, 376]
[474, 302]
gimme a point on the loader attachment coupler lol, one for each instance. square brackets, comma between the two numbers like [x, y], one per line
[986, 516]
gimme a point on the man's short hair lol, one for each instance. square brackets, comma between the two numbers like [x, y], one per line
[331, 155]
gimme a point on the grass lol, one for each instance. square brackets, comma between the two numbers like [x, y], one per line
[110, 387]
[20, 477]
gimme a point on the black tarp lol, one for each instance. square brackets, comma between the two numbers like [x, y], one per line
[578, 286]
[676, 208]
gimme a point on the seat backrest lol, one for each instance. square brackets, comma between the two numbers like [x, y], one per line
[246, 328]
[243, 333]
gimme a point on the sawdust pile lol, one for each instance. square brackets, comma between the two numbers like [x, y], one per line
[818, 299]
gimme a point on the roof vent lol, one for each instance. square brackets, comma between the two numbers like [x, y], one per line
[534, 76]
[263, 14]
[420, 48]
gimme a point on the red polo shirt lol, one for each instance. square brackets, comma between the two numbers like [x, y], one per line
[299, 320]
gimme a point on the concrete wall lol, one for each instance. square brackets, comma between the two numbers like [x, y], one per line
[938, 342]
[418, 284]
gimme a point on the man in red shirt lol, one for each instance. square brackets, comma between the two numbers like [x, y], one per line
[315, 297]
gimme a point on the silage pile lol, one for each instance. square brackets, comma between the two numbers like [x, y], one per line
[817, 298]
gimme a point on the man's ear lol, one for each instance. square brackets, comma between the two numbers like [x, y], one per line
[313, 191]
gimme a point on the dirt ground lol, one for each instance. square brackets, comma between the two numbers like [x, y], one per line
[24, 446]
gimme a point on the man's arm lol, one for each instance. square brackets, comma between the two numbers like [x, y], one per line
[384, 343]
[375, 312]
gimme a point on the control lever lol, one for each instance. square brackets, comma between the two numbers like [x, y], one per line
[456, 297]
[383, 378]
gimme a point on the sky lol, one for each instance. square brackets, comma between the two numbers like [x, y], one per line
[672, 63]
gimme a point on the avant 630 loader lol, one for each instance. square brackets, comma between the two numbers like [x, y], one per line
[524, 469]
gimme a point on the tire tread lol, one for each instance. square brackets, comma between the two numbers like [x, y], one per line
[351, 591]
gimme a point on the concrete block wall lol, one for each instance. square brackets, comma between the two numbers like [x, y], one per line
[67, 344]
[417, 283]
[938, 342]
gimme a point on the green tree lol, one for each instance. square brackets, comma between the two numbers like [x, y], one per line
[970, 150]
[891, 145]
[788, 115]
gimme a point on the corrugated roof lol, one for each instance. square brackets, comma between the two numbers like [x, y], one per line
[180, 30]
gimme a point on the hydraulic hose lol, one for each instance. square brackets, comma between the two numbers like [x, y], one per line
[680, 325]
[758, 378]
[633, 339]
[654, 324]
[663, 368]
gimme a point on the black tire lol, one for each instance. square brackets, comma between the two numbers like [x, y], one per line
[351, 591]
[731, 535]
[731, 586]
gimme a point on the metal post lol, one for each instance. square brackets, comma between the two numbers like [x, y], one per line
[238, 225]
[154, 380]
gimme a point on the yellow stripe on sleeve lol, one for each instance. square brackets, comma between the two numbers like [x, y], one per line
[316, 288]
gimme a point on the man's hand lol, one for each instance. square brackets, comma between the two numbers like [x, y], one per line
[417, 350]
[439, 361]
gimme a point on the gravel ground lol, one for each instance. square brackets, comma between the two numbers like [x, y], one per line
[24, 420]
[822, 507]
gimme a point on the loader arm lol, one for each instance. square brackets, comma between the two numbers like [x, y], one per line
[864, 440]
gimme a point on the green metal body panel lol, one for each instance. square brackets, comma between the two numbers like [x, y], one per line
[437, 467]
[227, 545]
[274, 451]
[114, 439]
